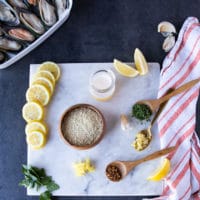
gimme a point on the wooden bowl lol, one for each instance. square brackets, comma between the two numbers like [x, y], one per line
[70, 110]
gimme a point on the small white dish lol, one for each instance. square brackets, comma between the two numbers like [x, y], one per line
[37, 42]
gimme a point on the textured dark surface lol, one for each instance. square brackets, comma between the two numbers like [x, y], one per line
[97, 31]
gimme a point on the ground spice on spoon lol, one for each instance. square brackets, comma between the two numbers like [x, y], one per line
[113, 173]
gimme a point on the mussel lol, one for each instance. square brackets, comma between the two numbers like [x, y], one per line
[32, 22]
[17, 33]
[1, 32]
[9, 45]
[21, 34]
[8, 15]
[47, 12]
[17, 4]
[2, 56]
[61, 5]
[32, 2]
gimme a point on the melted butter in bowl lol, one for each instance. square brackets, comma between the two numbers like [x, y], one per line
[82, 126]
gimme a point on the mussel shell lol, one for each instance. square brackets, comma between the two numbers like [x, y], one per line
[31, 21]
[1, 32]
[8, 15]
[2, 57]
[17, 4]
[32, 2]
[61, 6]
[9, 45]
[21, 34]
[47, 12]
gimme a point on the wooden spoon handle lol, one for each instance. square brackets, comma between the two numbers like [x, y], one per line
[179, 90]
[160, 109]
[155, 155]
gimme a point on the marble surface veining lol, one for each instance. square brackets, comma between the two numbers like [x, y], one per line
[57, 158]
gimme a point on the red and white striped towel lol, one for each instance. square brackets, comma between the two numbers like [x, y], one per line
[176, 123]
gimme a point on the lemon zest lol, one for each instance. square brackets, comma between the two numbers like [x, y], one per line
[84, 167]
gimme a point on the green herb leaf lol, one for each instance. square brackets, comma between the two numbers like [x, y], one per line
[35, 178]
[52, 186]
[40, 173]
[49, 183]
[46, 180]
[45, 196]
[24, 183]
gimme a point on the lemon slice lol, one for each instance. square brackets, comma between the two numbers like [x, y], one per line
[140, 62]
[32, 111]
[45, 74]
[125, 69]
[51, 67]
[36, 139]
[161, 172]
[36, 126]
[38, 93]
[44, 81]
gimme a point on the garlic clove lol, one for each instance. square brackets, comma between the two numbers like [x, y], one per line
[168, 43]
[125, 125]
[166, 28]
[166, 34]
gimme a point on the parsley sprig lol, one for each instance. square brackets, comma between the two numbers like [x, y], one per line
[36, 178]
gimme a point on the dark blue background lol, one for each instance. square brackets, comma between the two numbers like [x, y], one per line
[97, 31]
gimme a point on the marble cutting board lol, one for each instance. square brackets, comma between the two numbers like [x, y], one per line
[57, 158]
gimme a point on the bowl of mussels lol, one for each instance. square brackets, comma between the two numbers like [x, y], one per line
[24, 24]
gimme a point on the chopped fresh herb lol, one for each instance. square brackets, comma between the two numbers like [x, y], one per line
[35, 178]
[141, 111]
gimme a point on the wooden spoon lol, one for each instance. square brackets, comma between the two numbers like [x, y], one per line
[147, 132]
[126, 166]
[155, 103]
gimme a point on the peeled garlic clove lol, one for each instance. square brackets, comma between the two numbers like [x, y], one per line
[125, 125]
[168, 43]
[166, 28]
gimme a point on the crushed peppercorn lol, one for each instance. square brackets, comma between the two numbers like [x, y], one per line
[113, 173]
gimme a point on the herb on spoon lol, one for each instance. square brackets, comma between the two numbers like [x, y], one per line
[36, 178]
[141, 111]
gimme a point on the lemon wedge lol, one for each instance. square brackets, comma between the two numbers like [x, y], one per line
[46, 82]
[140, 62]
[161, 172]
[36, 139]
[36, 126]
[124, 69]
[32, 111]
[51, 67]
[38, 93]
[45, 74]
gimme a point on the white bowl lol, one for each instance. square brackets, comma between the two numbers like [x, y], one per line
[38, 41]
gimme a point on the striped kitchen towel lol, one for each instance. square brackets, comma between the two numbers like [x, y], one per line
[176, 123]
